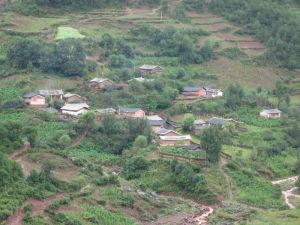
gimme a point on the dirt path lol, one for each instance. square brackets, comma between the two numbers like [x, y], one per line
[16, 156]
[222, 163]
[289, 193]
[79, 139]
[38, 208]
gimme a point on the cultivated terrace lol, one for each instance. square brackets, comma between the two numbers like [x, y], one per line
[148, 112]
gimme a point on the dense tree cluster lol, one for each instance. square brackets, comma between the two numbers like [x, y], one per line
[174, 43]
[188, 179]
[114, 135]
[270, 22]
[65, 57]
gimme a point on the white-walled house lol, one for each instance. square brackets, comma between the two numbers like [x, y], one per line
[75, 109]
[271, 113]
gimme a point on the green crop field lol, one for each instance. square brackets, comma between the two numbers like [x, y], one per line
[68, 32]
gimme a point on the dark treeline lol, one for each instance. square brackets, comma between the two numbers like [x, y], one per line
[173, 43]
[270, 22]
[80, 4]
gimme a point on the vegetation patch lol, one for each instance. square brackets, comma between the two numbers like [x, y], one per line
[68, 32]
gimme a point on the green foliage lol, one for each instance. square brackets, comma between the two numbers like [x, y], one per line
[270, 22]
[188, 179]
[88, 151]
[99, 215]
[173, 43]
[254, 189]
[24, 53]
[66, 57]
[134, 166]
[181, 152]
[188, 122]
[115, 134]
[211, 142]
[68, 32]
[140, 142]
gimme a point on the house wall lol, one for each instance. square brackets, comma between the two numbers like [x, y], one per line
[102, 85]
[174, 143]
[156, 128]
[155, 70]
[270, 115]
[75, 113]
[138, 114]
[36, 101]
[73, 99]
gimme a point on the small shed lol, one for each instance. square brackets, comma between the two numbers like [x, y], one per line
[132, 112]
[149, 69]
[271, 113]
[73, 98]
[101, 83]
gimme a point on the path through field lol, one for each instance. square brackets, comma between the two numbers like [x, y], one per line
[288, 193]
[38, 208]
[222, 163]
[16, 156]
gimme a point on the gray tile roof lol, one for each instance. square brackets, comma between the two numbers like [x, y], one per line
[50, 92]
[129, 110]
[272, 111]
[191, 89]
[217, 121]
[107, 110]
[31, 94]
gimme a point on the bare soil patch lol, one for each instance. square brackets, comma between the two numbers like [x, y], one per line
[38, 208]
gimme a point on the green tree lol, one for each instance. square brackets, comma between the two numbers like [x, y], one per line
[140, 142]
[23, 53]
[211, 142]
[134, 166]
[87, 121]
[188, 122]
[281, 91]
[67, 57]
[31, 133]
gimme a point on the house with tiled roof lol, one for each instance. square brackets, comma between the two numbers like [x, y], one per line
[148, 69]
[193, 91]
[271, 113]
[35, 99]
[100, 83]
[75, 109]
[132, 112]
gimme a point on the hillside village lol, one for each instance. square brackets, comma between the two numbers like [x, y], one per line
[149, 112]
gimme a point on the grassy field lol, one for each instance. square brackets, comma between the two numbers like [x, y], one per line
[68, 32]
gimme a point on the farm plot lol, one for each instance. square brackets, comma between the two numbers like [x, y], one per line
[68, 32]
[29, 24]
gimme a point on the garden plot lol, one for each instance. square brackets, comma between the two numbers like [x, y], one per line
[229, 71]
[64, 169]
[29, 24]
[68, 32]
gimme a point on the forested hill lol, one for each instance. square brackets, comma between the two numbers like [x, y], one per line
[271, 22]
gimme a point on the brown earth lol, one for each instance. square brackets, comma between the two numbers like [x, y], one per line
[38, 208]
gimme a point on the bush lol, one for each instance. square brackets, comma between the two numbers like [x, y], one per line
[134, 167]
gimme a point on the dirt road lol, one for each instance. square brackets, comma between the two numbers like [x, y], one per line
[38, 208]
[288, 193]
